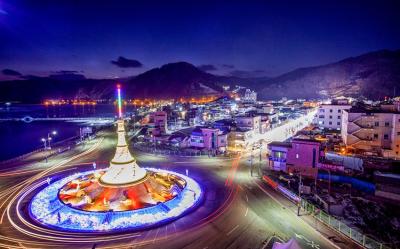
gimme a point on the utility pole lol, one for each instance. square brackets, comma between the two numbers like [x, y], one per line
[329, 182]
[259, 166]
[315, 183]
[251, 162]
[300, 185]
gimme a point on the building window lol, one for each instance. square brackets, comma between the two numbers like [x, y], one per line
[386, 124]
[376, 136]
[386, 136]
[330, 122]
[339, 111]
[338, 123]
[338, 117]
[330, 110]
[330, 117]
[321, 110]
[321, 116]
[376, 123]
[297, 155]
[398, 133]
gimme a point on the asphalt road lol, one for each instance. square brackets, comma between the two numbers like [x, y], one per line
[239, 211]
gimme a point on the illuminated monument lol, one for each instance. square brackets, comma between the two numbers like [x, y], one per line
[123, 167]
[122, 197]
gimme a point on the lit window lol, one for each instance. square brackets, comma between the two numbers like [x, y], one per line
[297, 155]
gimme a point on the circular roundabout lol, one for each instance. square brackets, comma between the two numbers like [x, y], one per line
[118, 201]
[122, 197]
[79, 203]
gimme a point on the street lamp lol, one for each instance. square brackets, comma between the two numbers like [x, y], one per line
[44, 143]
[49, 137]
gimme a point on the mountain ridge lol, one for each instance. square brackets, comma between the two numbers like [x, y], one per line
[372, 75]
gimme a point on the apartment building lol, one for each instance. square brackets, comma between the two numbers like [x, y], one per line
[329, 116]
[157, 124]
[372, 130]
[249, 122]
[209, 139]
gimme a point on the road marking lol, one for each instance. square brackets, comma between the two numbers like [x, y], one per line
[154, 240]
[233, 229]
[247, 210]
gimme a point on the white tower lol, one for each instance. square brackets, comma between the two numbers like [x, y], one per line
[123, 170]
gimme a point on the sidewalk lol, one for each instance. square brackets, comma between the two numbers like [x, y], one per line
[330, 234]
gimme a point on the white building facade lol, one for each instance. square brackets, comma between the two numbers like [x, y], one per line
[329, 116]
[372, 132]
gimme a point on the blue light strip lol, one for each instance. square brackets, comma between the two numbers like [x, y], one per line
[47, 209]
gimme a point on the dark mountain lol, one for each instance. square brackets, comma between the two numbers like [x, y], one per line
[372, 75]
[35, 89]
[174, 80]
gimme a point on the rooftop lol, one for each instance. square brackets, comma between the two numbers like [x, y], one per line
[361, 108]
[280, 144]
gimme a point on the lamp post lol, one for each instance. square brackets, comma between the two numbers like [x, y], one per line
[44, 143]
[49, 137]
[45, 147]
[300, 188]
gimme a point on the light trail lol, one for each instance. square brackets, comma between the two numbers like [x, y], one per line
[232, 172]
[51, 238]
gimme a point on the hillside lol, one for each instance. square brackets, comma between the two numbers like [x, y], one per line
[372, 75]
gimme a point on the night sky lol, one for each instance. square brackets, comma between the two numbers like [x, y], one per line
[257, 38]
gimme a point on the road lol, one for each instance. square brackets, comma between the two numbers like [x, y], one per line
[239, 211]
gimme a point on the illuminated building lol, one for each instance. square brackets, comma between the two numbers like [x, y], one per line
[372, 130]
[250, 96]
[329, 116]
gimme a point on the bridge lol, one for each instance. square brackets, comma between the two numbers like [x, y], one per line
[29, 119]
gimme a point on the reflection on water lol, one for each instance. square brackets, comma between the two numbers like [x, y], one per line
[52, 111]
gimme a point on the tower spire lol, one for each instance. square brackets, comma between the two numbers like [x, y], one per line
[123, 168]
